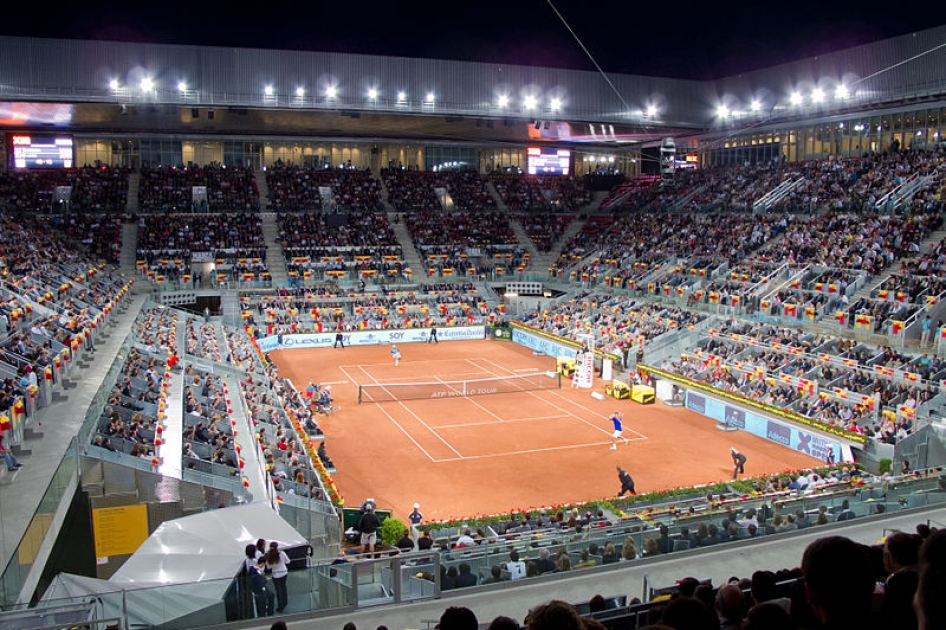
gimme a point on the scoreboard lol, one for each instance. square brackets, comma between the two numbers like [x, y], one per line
[31, 151]
[542, 161]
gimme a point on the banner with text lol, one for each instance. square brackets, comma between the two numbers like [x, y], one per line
[542, 344]
[369, 337]
[795, 438]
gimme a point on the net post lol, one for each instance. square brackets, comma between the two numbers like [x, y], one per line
[359, 394]
[558, 376]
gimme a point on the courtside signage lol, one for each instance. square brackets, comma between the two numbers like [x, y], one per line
[370, 337]
[808, 442]
[542, 344]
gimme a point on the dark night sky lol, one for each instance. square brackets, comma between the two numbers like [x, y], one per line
[681, 40]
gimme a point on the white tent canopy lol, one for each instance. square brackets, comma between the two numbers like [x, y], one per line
[207, 547]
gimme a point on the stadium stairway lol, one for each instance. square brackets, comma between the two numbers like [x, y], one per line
[524, 239]
[500, 204]
[47, 440]
[570, 232]
[131, 201]
[230, 308]
[384, 195]
[275, 259]
[595, 203]
[411, 255]
[129, 256]
[263, 189]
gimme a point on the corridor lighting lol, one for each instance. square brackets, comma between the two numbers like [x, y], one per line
[722, 111]
[817, 95]
[401, 96]
[114, 84]
[756, 105]
[795, 98]
[651, 110]
[268, 90]
[331, 91]
[529, 102]
[430, 97]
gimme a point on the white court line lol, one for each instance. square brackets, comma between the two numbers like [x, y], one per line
[579, 418]
[426, 426]
[480, 424]
[533, 450]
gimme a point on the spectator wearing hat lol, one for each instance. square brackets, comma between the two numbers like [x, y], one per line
[416, 517]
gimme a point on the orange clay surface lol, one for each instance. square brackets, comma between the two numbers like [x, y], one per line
[464, 457]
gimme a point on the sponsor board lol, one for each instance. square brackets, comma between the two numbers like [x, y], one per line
[542, 344]
[788, 435]
[369, 337]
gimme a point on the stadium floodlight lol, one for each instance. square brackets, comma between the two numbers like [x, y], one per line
[373, 93]
[795, 98]
[114, 85]
[840, 92]
[182, 86]
[556, 104]
[756, 105]
[529, 102]
[817, 95]
[331, 91]
[651, 110]
[401, 96]
[430, 97]
[147, 84]
[503, 100]
[268, 90]
[722, 111]
[300, 91]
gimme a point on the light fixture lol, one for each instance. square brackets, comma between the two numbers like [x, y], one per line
[795, 98]
[373, 93]
[430, 97]
[840, 92]
[114, 84]
[817, 95]
[401, 96]
[756, 105]
[503, 100]
[268, 90]
[722, 111]
[529, 102]
[651, 110]
[331, 91]
[147, 84]
[556, 104]
[182, 86]
[300, 91]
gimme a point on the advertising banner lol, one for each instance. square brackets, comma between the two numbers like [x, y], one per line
[369, 337]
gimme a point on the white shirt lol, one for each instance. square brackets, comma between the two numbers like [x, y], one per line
[517, 570]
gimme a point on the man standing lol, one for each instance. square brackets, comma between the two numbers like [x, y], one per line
[627, 482]
[368, 525]
[339, 340]
[433, 335]
[927, 336]
[617, 420]
[739, 462]
[396, 355]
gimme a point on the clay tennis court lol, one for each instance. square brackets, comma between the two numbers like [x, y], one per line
[471, 455]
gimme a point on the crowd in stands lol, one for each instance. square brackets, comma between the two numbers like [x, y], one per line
[171, 189]
[294, 188]
[95, 189]
[545, 229]
[414, 191]
[541, 193]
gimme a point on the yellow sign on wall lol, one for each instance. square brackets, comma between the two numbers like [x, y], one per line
[119, 531]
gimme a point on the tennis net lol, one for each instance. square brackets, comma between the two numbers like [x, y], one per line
[388, 392]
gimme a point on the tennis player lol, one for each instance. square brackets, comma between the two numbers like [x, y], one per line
[617, 419]
[396, 355]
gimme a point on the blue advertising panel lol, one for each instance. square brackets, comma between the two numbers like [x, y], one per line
[369, 337]
[791, 436]
[542, 344]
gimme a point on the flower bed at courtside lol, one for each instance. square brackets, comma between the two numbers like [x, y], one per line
[561, 340]
[312, 450]
[648, 506]
[742, 400]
